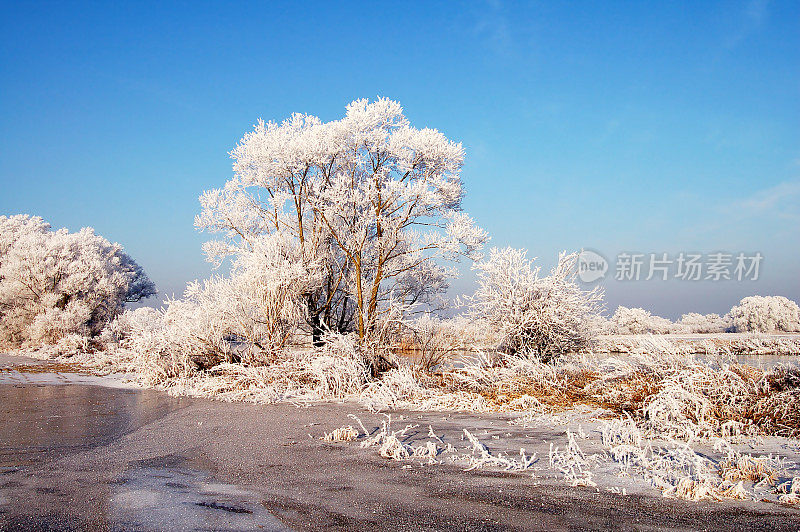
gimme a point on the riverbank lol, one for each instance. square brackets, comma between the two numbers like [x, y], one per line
[735, 344]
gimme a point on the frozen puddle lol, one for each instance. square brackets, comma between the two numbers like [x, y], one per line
[184, 499]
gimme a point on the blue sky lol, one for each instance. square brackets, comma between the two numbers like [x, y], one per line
[611, 126]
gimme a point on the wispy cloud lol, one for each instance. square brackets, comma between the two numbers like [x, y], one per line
[752, 17]
[756, 12]
[492, 25]
[781, 201]
[766, 214]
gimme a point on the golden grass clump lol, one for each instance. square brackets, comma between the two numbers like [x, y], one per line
[347, 433]
[737, 467]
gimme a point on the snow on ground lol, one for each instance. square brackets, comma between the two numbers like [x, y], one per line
[579, 448]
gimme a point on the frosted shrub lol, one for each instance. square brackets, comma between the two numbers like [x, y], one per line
[337, 370]
[638, 321]
[541, 316]
[694, 402]
[699, 323]
[249, 316]
[601, 324]
[131, 323]
[54, 323]
[54, 284]
[765, 314]
[435, 340]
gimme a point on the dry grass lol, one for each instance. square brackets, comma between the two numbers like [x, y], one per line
[667, 392]
[737, 467]
[347, 433]
[51, 367]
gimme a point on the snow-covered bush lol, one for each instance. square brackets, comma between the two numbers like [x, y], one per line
[540, 316]
[765, 314]
[601, 324]
[130, 323]
[699, 323]
[334, 371]
[54, 284]
[248, 316]
[638, 321]
[435, 340]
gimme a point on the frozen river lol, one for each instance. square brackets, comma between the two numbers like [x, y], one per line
[46, 424]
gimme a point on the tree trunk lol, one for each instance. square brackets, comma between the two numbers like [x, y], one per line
[315, 322]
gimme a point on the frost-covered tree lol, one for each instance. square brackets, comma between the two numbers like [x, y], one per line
[541, 316]
[370, 200]
[699, 323]
[57, 283]
[638, 321]
[765, 314]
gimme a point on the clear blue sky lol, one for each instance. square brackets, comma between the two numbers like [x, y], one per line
[612, 126]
